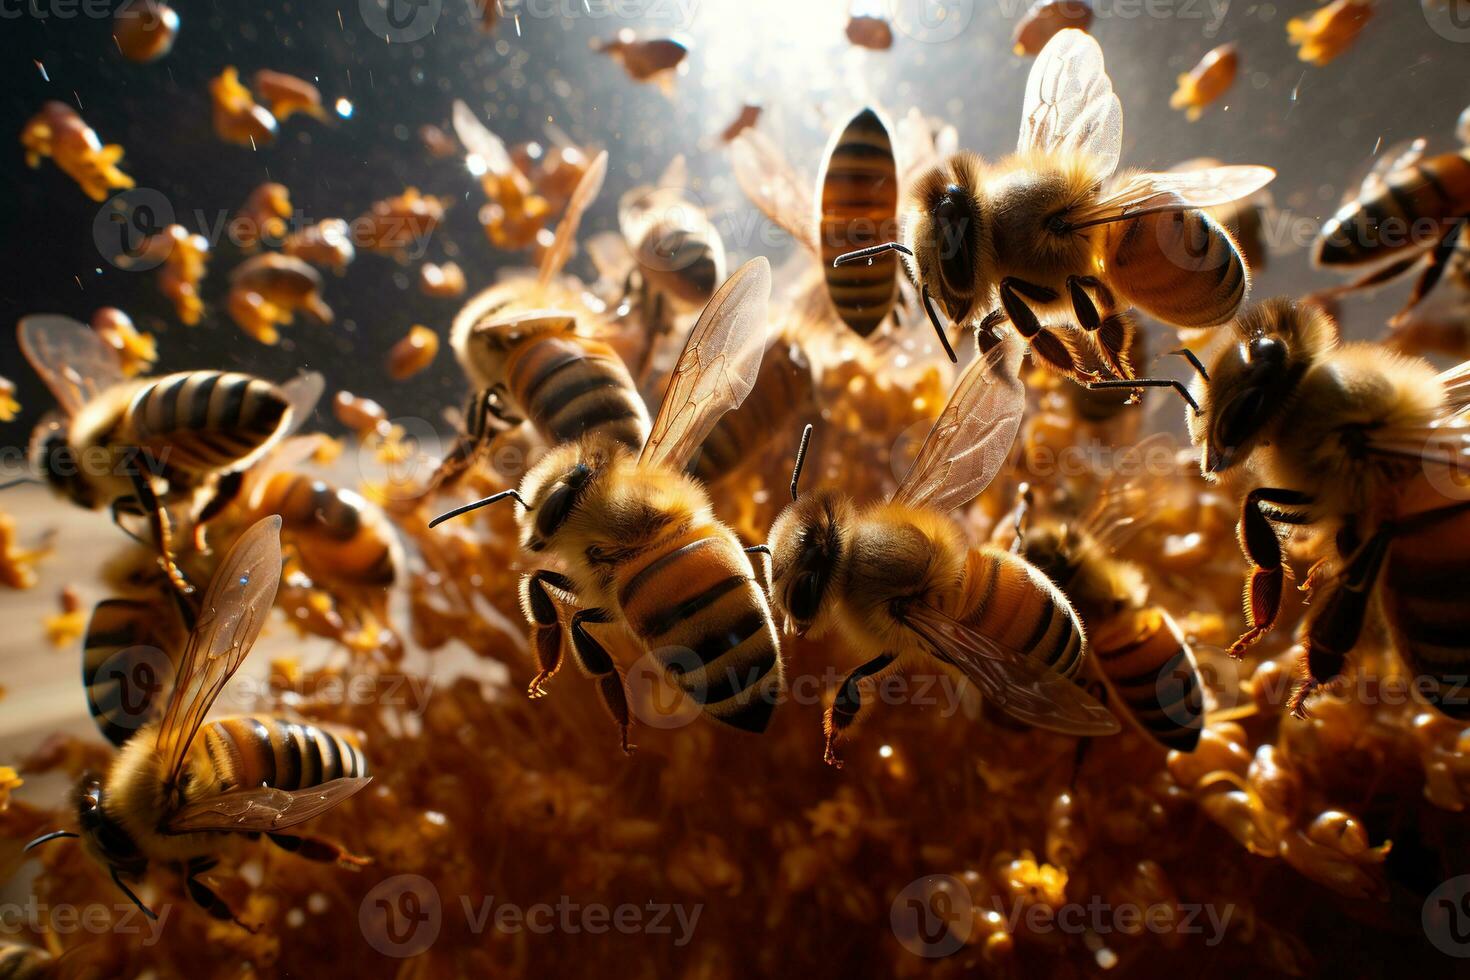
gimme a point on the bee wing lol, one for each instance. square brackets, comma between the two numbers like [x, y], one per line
[566, 232]
[1021, 686]
[230, 618]
[479, 141]
[1070, 107]
[610, 255]
[972, 437]
[1456, 383]
[303, 392]
[1433, 445]
[766, 177]
[71, 359]
[264, 809]
[1151, 193]
[717, 369]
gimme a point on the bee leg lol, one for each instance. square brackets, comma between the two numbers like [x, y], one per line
[1439, 259]
[206, 898]
[484, 417]
[1110, 329]
[843, 710]
[546, 631]
[159, 520]
[225, 491]
[595, 660]
[987, 334]
[1263, 549]
[319, 849]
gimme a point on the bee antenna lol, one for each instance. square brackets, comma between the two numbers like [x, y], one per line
[117, 880]
[476, 505]
[938, 327]
[1148, 383]
[871, 252]
[20, 482]
[806, 438]
[54, 835]
[1189, 356]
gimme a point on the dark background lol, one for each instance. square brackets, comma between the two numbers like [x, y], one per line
[1317, 126]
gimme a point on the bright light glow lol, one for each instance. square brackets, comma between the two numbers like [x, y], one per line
[344, 108]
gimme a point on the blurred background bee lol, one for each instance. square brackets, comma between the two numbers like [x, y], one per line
[640, 545]
[180, 791]
[902, 585]
[137, 446]
[1053, 231]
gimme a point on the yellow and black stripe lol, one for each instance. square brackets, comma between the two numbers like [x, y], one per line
[329, 528]
[859, 201]
[782, 388]
[573, 386]
[1148, 664]
[1009, 600]
[1415, 208]
[19, 961]
[263, 750]
[127, 663]
[1179, 266]
[693, 603]
[1426, 598]
[207, 421]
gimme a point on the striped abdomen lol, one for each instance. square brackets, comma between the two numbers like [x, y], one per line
[19, 961]
[782, 388]
[692, 601]
[331, 529]
[1009, 600]
[1179, 266]
[1425, 586]
[1150, 668]
[262, 750]
[859, 199]
[572, 386]
[683, 263]
[1414, 208]
[127, 664]
[207, 421]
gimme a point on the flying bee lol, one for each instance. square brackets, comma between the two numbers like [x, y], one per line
[1363, 446]
[640, 544]
[1137, 647]
[181, 791]
[137, 445]
[856, 206]
[902, 585]
[1408, 210]
[1053, 230]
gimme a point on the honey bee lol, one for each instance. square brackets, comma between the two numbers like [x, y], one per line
[1138, 649]
[180, 788]
[640, 543]
[856, 206]
[1358, 444]
[59, 133]
[900, 583]
[1053, 229]
[1409, 209]
[267, 290]
[136, 445]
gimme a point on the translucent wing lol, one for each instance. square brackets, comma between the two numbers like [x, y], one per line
[767, 179]
[264, 809]
[303, 392]
[1456, 383]
[75, 363]
[1070, 107]
[972, 437]
[1019, 685]
[716, 370]
[610, 255]
[479, 141]
[1371, 181]
[1149, 193]
[230, 618]
[566, 232]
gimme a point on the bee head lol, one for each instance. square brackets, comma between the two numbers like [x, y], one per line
[102, 835]
[556, 487]
[55, 459]
[948, 234]
[1252, 381]
[809, 548]
[1052, 546]
[485, 345]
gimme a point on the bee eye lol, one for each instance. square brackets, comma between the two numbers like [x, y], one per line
[1239, 419]
[806, 596]
[954, 227]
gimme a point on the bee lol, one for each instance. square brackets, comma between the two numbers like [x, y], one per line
[856, 206]
[1409, 209]
[1054, 231]
[1360, 445]
[59, 133]
[900, 583]
[1137, 647]
[515, 211]
[137, 445]
[180, 789]
[640, 543]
